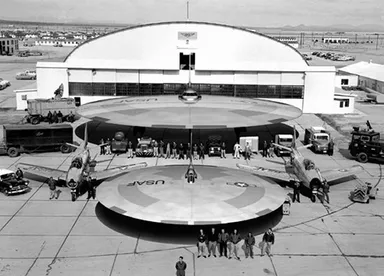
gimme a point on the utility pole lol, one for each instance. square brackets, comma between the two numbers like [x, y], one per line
[377, 40]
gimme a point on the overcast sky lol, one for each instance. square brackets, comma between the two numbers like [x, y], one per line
[257, 13]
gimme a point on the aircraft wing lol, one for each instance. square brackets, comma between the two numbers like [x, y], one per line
[271, 173]
[336, 174]
[102, 175]
[42, 171]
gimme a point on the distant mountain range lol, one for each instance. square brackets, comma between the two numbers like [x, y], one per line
[301, 27]
[336, 27]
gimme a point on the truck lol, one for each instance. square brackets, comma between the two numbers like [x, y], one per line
[119, 143]
[213, 145]
[16, 139]
[144, 147]
[366, 144]
[319, 137]
[38, 109]
[284, 140]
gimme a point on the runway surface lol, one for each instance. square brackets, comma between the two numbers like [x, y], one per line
[219, 195]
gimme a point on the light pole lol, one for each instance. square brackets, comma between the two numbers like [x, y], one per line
[377, 40]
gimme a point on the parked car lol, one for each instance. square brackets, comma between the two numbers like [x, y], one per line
[26, 75]
[10, 185]
[35, 53]
[4, 84]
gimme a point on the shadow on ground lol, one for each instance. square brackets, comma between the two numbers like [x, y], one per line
[179, 234]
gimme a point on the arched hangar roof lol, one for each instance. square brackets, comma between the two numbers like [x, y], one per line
[157, 46]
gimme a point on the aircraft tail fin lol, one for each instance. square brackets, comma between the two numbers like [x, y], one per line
[85, 136]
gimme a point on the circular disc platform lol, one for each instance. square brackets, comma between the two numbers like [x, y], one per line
[162, 194]
[208, 113]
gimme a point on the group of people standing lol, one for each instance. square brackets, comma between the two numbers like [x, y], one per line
[172, 150]
[58, 117]
[321, 192]
[268, 149]
[105, 147]
[229, 244]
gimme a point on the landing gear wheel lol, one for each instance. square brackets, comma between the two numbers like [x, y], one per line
[73, 197]
[65, 148]
[362, 157]
[313, 198]
[13, 152]
[35, 120]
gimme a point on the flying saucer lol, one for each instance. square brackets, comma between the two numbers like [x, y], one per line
[163, 194]
[208, 112]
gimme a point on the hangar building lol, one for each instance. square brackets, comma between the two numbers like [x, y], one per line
[153, 59]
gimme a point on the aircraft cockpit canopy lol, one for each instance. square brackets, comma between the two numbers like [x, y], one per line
[322, 136]
[309, 164]
[76, 163]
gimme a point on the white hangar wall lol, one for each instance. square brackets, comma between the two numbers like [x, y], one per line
[145, 60]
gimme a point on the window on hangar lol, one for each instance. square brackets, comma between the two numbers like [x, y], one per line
[185, 60]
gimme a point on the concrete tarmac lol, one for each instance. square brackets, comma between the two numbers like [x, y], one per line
[39, 236]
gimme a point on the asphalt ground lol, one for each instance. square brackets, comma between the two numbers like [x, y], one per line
[44, 237]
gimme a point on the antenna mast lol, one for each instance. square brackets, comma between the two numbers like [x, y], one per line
[188, 10]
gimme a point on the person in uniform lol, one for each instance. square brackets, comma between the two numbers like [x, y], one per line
[155, 148]
[248, 152]
[296, 191]
[235, 244]
[330, 147]
[108, 147]
[52, 188]
[223, 239]
[181, 266]
[161, 148]
[59, 117]
[212, 243]
[270, 149]
[201, 239]
[223, 148]
[268, 241]
[265, 149]
[174, 150]
[91, 188]
[236, 149]
[102, 147]
[189, 151]
[195, 151]
[181, 151]
[49, 117]
[202, 151]
[71, 117]
[249, 242]
[54, 117]
[130, 149]
[19, 174]
[168, 151]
